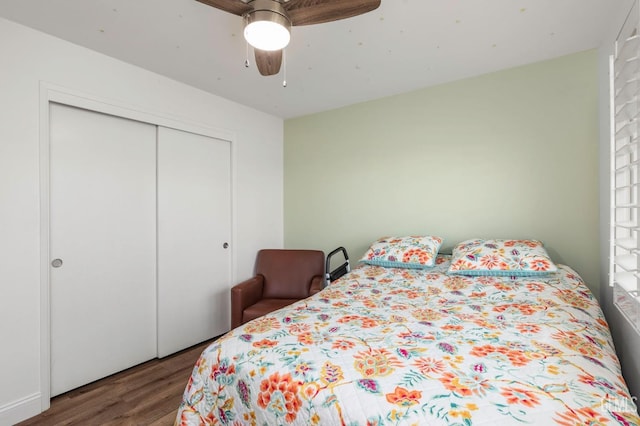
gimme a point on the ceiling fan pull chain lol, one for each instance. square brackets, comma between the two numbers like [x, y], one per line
[284, 65]
[246, 61]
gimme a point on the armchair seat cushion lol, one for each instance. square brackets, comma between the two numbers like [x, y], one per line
[265, 306]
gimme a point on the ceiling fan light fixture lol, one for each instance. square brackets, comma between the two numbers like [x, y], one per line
[267, 26]
[267, 23]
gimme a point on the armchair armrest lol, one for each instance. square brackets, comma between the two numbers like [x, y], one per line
[317, 284]
[243, 295]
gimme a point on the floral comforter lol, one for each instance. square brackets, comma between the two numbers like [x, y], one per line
[386, 346]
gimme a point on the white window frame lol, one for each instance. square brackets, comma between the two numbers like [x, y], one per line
[625, 169]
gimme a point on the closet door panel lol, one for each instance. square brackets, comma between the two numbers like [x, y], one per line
[194, 231]
[103, 231]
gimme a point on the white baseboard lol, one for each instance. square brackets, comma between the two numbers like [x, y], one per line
[20, 410]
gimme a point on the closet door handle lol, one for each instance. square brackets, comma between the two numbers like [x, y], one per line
[56, 263]
[225, 245]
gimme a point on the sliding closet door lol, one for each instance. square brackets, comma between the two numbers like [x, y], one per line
[194, 231]
[103, 245]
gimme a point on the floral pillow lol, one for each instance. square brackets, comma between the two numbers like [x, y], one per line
[418, 252]
[518, 258]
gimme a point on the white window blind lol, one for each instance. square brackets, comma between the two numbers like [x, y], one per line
[625, 165]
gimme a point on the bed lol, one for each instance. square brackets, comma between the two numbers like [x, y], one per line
[387, 345]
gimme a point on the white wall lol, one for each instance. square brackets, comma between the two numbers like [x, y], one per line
[30, 58]
[626, 340]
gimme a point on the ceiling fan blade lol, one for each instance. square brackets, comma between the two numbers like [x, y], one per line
[307, 12]
[268, 62]
[237, 7]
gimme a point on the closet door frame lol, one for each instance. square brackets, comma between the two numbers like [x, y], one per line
[50, 93]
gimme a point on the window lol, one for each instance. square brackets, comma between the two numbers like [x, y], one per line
[625, 165]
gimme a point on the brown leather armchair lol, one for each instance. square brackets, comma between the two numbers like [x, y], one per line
[282, 277]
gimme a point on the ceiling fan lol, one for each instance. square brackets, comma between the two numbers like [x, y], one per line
[268, 22]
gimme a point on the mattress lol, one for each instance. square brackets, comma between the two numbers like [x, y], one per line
[387, 346]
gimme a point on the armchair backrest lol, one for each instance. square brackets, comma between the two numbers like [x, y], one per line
[288, 273]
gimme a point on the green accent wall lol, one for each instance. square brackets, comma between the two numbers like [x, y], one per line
[511, 154]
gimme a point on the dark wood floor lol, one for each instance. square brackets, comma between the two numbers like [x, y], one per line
[148, 394]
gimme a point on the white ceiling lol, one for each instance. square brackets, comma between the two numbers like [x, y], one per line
[402, 46]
